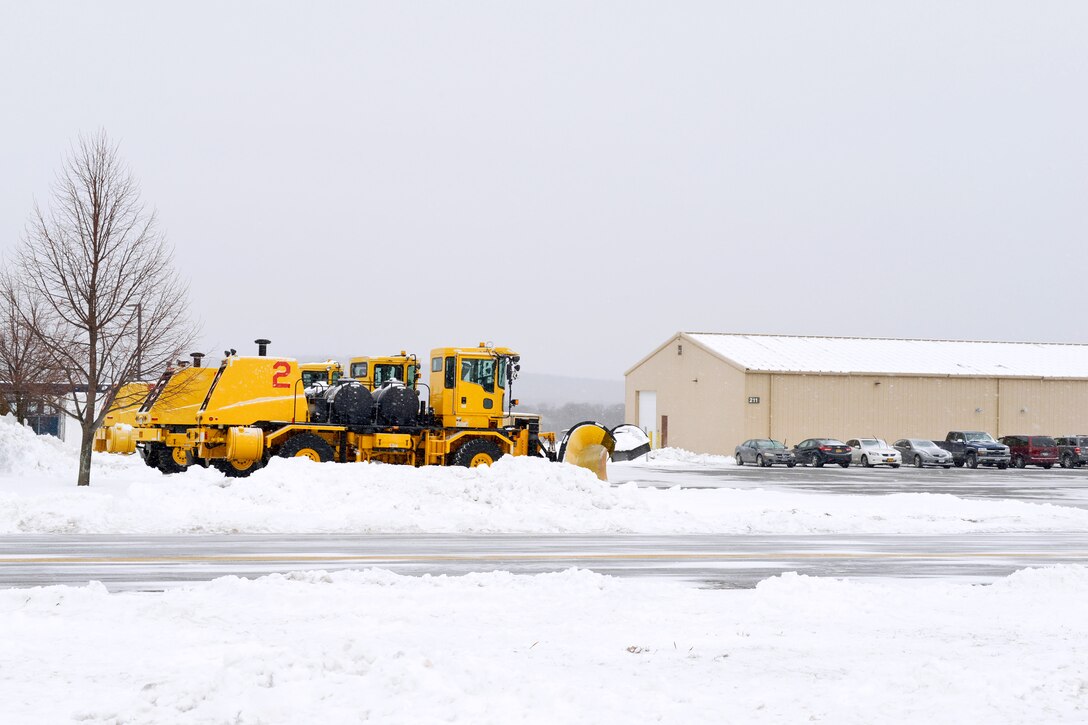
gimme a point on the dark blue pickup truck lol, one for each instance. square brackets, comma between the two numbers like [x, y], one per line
[974, 448]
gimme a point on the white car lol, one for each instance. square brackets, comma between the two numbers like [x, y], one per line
[871, 452]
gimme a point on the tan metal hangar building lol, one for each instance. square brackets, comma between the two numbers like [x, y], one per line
[708, 392]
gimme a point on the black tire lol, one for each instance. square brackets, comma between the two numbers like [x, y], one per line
[959, 464]
[1048, 466]
[167, 460]
[740, 461]
[1067, 461]
[1019, 462]
[307, 445]
[475, 453]
[972, 460]
[946, 466]
[917, 460]
[150, 456]
[845, 464]
[865, 461]
[894, 465]
[760, 462]
[790, 464]
[230, 470]
[1002, 466]
[817, 462]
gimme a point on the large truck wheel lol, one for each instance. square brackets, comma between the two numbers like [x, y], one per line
[171, 460]
[150, 456]
[232, 469]
[307, 445]
[972, 460]
[478, 452]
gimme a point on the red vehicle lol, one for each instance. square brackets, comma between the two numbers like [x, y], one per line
[1032, 450]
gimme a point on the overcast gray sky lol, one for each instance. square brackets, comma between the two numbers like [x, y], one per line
[579, 180]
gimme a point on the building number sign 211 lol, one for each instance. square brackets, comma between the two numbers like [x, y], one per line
[753, 399]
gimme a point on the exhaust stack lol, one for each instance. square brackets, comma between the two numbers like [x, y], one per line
[262, 346]
[196, 356]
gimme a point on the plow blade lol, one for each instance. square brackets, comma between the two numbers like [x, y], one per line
[590, 445]
[631, 442]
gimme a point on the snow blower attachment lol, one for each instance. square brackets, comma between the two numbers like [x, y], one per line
[590, 445]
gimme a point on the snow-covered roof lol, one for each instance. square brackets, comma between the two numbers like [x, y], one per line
[785, 353]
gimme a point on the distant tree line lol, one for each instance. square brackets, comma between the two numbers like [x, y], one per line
[560, 417]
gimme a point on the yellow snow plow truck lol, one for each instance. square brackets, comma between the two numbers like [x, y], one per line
[257, 407]
[159, 429]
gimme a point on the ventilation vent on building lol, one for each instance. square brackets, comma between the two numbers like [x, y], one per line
[679, 349]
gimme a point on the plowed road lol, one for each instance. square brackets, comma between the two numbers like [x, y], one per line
[156, 562]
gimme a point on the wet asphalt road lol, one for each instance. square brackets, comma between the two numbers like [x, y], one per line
[713, 561]
[126, 562]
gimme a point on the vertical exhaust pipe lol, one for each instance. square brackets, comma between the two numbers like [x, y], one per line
[262, 346]
[196, 356]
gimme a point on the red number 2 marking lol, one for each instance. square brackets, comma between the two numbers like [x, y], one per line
[277, 378]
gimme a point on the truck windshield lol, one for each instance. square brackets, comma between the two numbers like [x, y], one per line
[480, 371]
[384, 372]
[978, 437]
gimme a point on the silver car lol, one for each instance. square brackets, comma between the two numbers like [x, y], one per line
[764, 452]
[920, 452]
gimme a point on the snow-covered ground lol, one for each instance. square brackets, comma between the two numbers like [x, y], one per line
[516, 495]
[569, 647]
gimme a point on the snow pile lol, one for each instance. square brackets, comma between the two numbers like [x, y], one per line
[516, 495]
[24, 453]
[679, 456]
[571, 647]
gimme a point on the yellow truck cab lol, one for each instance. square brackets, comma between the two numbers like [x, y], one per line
[468, 385]
[321, 373]
[372, 372]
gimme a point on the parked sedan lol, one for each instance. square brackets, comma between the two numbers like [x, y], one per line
[818, 451]
[871, 452]
[764, 452]
[923, 452]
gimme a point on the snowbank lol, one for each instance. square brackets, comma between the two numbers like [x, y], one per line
[571, 647]
[679, 456]
[516, 495]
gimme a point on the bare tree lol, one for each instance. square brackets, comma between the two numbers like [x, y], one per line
[27, 376]
[108, 306]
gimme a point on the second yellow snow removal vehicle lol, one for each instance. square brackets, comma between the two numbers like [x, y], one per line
[373, 372]
[321, 373]
[122, 413]
[159, 431]
[257, 407]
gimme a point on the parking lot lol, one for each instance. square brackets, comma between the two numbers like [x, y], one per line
[1065, 487]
